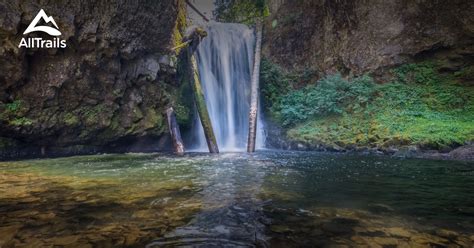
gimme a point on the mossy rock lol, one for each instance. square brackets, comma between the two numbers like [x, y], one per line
[71, 119]
[14, 113]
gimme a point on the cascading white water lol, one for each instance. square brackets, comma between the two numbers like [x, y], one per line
[225, 59]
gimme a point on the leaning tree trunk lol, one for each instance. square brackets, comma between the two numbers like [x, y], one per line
[192, 75]
[174, 132]
[254, 91]
[201, 105]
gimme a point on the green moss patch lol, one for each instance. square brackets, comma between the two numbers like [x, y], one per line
[14, 113]
[420, 106]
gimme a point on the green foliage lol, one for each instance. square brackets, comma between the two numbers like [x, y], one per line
[466, 73]
[420, 106]
[13, 106]
[420, 73]
[274, 82]
[22, 121]
[331, 95]
[181, 99]
[242, 11]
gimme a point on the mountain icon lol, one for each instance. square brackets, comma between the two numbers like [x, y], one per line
[49, 30]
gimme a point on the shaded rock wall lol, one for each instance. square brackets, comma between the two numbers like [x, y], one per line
[368, 35]
[105, 91]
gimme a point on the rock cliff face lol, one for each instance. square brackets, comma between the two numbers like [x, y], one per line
[367, 35]
[105, 91]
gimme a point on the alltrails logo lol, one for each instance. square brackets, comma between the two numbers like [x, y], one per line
[40, 42]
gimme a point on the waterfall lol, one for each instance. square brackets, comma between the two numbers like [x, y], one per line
[225, 59]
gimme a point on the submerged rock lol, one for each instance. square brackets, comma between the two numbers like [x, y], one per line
[340, 226]
[7, 233]
[380, 208]
[398, 232]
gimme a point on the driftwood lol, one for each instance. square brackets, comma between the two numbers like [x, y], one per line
[254, 91]
[174, 131]
[191, 41]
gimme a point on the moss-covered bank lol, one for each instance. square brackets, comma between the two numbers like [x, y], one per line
[420, 106]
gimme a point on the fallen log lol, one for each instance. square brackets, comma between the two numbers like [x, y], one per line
[192, 41]
[173, 127]
[254, 91]
[202, 108]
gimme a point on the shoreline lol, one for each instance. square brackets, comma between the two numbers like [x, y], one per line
[461, 153]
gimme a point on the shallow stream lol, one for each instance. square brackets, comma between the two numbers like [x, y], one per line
[270, 198]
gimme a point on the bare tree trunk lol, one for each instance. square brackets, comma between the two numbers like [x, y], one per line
[174, 131]
[254, 91]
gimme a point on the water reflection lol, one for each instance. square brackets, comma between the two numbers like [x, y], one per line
[274, 198]
[232, 211]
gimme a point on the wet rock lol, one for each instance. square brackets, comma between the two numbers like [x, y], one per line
[65, 240]
[340, 226]
[80, 245]
[375, 233]
[30, 199]
[23, 213]
[77, 100]
[7, 233]
[80, 198]
[32, 243]
[447, 233]
[462, 153]
[386, 242]
[380, 208]
[45, 216]
[464, 242]
[358, 239]
[165, 60]
[147, 68]
[425, 239]
[398, 232]
[407, 152]
[337, 246]
[143, 214]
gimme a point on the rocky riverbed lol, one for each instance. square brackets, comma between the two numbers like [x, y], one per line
[278, 199]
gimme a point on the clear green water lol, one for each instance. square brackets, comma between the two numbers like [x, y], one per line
[271, 198]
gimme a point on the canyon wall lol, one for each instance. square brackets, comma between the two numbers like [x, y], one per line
[105, 91]
[355, 37]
